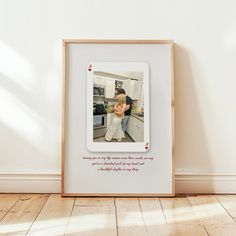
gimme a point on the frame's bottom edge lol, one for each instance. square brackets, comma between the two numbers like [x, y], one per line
[117, 195]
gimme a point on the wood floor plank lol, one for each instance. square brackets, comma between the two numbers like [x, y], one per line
[94, 201]
[212, 215]
[21, 216]
[129, 217]
[229, 203]
[180, 217]
[6, 202]
[54, 217]
[39, 214]
[92, 221]
[178, 210]
[152, 211]
[153, 216]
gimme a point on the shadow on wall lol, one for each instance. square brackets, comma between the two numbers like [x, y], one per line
[192, 154]
[28, 128]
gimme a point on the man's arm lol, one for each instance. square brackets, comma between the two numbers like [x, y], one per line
[128, 103]
[121, 112]
[114, 108]
[127, 107]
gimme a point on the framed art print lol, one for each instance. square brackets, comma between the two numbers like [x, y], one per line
[117, 118]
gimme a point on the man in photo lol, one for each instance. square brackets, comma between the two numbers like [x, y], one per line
[128, 108]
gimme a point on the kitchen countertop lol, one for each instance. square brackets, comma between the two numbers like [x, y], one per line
[137, 117]
[109, 112]
[134, 114]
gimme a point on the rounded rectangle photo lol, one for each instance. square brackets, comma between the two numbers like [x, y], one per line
[118, 107]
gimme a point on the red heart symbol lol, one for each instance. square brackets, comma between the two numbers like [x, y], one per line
[90, 67]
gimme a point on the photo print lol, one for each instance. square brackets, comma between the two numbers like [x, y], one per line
[118, 107]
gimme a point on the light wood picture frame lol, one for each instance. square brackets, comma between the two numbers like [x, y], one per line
[136, 166]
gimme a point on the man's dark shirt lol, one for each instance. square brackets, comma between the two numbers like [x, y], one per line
[128, 102]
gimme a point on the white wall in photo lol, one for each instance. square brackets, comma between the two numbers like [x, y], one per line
[31, 75]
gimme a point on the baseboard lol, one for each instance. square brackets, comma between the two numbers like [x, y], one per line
[30, 182]
[205, 183]
[50, 182]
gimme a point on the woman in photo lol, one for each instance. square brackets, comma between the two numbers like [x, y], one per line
[114, 130]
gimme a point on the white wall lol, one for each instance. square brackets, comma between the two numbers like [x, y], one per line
[30, 82]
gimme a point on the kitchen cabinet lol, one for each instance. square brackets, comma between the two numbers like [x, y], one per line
[99, 81]
[132, 88]
[136, 89]
[110, 88]
[142, 94]
[118, 85]
[135, 129]
[126, 86]
[140, 103]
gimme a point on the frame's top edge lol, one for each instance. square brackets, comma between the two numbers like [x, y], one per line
[119, 41]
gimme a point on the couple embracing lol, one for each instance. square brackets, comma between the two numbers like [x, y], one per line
[122, 111]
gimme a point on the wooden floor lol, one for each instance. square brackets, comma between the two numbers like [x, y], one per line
[49, 215]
